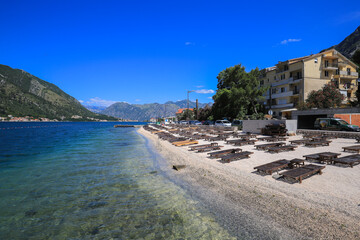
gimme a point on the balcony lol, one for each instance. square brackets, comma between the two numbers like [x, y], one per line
[343, 63]
[280, 95]
[295, 92]
[346, 74]
[287, 105]
[333, 66]
[291, 80]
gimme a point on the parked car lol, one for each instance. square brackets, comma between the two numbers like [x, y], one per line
[334, 124]
[224, 123]
[208, 122]
[183, 122]
[195, 122]
[237, 122]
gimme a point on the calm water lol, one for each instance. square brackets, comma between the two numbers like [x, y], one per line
[91, 181]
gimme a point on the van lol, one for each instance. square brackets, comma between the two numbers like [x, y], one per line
[334, 124]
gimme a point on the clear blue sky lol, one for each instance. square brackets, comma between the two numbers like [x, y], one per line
[154, 51]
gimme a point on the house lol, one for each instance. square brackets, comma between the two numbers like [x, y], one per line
[291, 81]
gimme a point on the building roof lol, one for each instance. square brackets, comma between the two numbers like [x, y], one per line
[180, 110]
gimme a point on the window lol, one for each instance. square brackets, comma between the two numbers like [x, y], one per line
[326, 73]
[348, 71]
[282, 76]
[326, 63]
[286, 67]
[268, 80]
[273, 91]
[273, 101]
[337, 72]
[291, 74]
[282, 89]
[274, 77]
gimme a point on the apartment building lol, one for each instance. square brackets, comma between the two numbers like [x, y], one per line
[291, 81]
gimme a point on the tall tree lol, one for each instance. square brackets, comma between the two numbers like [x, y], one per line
[239, 93]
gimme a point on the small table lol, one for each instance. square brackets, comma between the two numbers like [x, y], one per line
[296, 162]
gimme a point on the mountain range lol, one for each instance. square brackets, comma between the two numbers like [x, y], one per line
[144, 112]
[23, 94]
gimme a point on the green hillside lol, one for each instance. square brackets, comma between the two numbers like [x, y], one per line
[23, 94]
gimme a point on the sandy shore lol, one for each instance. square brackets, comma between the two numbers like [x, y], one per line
[324, 206]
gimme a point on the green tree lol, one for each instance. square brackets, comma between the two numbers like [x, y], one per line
[187, 115]
[239, 93]
[205, 113]
[327, 97]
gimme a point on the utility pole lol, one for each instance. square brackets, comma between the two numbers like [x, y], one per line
[187, 112]
[197, 109]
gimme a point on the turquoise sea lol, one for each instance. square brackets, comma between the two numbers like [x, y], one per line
[91, 181]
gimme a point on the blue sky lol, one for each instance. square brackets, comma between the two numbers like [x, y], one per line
[154, 51]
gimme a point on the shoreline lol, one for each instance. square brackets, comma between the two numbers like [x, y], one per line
[252, 206]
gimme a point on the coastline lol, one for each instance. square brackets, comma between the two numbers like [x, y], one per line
[252, 206]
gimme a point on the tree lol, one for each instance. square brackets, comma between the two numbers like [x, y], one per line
[205, 113]
[239, 93]
[327, 97]
[356, 57]
[186, 114]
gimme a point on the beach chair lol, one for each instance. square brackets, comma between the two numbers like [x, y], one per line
[300, 173]
[221, 153]
[185, 143]
[326, 157]
[235, 156]
[317, 143]
[282, 148]
[192, 148]
[269, 145]
[210, 148]
[269, 168]
[350, 160]
[354, 148]
[300, 141]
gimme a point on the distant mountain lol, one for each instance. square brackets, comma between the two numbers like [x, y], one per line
[350, 44]
[144, 112]
[95, 109]
[23, 94]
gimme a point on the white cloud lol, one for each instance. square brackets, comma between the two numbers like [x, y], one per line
[199, 86]
[210, 98]
[137, 100]
[204, 91]
[81, 101]
[96, 101]
[286, 41]
[189, 43]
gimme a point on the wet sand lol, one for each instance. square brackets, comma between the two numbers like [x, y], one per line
[255, 206]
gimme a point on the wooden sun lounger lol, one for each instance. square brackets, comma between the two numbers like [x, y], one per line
[354, 148]
[300, 141]
[185, 143]
[178, 139]
[224, 152]
[210, 148]
[240, 142]
[317, 143]
[263, 138]
[282, 148]
[203, 146]
[269, 168]
[349, 160]
[269, 145]
[302, 172]
[236, 156]
[216, 139]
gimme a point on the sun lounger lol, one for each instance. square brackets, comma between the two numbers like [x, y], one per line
[302, 172]
[202, 146]
[300, 141]
[235, 156]
[269, 145]
[224, 152]
[210, 148]
[327, 157]
[269, 168]
[216, 138]
[354, 148]
[282, 148]
[349, 160]
[241, 142]
[185, 143]
[317, 143]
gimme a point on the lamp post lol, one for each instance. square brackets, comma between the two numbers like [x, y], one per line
[187, 112]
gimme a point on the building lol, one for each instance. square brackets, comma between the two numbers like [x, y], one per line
[291, 81]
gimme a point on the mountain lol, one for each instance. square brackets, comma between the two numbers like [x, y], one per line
[350, 44]
[95, 109]
[144, 112]
[23, 94]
